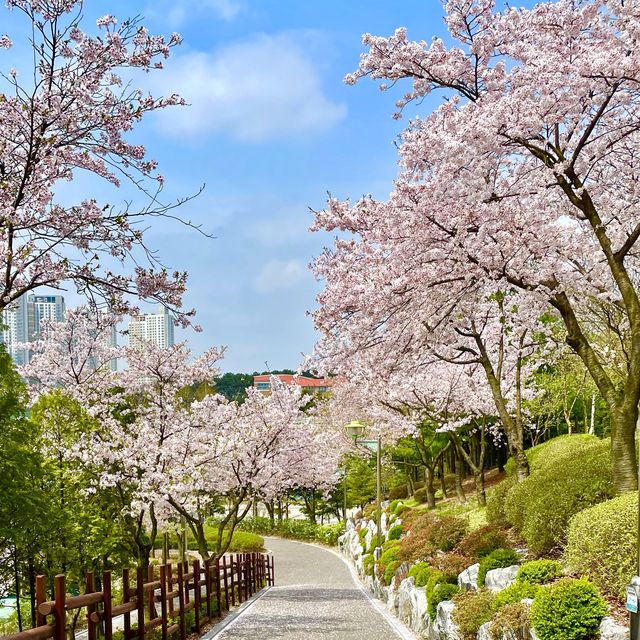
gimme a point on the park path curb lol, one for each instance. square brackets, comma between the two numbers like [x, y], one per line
[232, 616]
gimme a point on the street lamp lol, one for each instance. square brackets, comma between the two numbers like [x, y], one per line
[355, 430]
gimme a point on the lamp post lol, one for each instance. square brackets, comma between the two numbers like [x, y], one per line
[355, 430]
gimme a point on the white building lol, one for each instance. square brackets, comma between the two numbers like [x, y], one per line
[156, 328]
[21, 321]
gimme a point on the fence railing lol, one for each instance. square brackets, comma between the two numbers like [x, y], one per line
[157, 598]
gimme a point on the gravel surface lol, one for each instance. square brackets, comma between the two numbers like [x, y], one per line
[315, 597]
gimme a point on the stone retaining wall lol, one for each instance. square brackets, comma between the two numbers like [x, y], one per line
[409, 603]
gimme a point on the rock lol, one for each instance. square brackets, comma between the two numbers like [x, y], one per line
[483, 632]
[351, 524]
[393, 600]
[533, 635]
[611, 630]
[405, 601]
[468, 579]
[444, 628]
[383, 522]
[420, 621]
[499, 579]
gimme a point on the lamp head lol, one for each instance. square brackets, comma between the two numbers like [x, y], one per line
[355, 429]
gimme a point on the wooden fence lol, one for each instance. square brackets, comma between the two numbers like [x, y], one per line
[160, 598]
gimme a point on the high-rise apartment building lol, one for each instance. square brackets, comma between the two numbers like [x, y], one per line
[155, 328]
[22, 320]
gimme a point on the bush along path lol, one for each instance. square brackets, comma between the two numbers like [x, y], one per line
[314, 598]
[448, 583]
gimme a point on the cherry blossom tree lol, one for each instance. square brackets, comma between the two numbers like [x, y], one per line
[525, 175]
[72, 110]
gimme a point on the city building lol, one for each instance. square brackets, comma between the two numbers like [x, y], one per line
[21, 322]
[154, 328]
[315, 385]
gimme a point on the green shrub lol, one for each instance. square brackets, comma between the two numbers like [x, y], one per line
[539, 571]
[389, 556]
[390, 544]
[495, 502]
[550, 451]
[402, 508]
[513, 621]
[541, 506]
[602, 543]
[368, 564]
[567, 610]
[393, 505]
[435, 580]
[498, 559]
[441, 592]
[420, 572]
[482, 542]
[514, 593]
[420, 495]
[390, 571]
[395, 533]
[362, 534]
[473, 609]
[398, 493]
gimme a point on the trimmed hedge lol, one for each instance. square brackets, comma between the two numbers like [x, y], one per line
[495, 502]
[550, 451]
[541, 506]
[539, 571]
[515, 593]
[295, 529]
[420, 572]
[431, 533]
[568, 610]
[498, 559]
[602, 543]
[395, 533]
[441, 592]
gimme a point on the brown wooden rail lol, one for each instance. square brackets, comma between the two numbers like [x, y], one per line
[161, 598]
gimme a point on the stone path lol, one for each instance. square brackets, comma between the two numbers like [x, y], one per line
[315, 598]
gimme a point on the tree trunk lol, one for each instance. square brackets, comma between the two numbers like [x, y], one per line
[16, 575]
[443, 484]
[478, 478]
[457, 462]
[623, 451]
[431, 493]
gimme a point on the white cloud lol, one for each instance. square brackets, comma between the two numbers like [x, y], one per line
[226, 9]
[280, 274]
[258, 89]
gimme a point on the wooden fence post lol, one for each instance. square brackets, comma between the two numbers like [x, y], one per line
[170, 587]
[233, 586]
[107, 605]
[40, 598]
[207, 587]
[60, 612]
[183, 631]
[126, 598]
[90, 588]
[163, 600]
[197, 594]
[225, 579]
[140, 601]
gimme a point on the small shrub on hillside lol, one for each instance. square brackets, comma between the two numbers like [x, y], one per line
[567, 610]
[602, 543]
[473, 609]
[390, 544]
[362, 534]
[390, 571]
[482, 542]
[540, 571]
[495, 502]
[431, 533]
[395, 533]
[498, 559]
[388, 557]
[451, 564]
[420, 495]
[541, 506]
[420, 572]
[368, 564]
[402, 508]
[398, 493]
[513, 621]
[437, 578]
[441, 592]
[393, 505]
[515, 593]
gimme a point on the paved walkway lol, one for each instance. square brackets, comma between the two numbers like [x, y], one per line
[315, 598]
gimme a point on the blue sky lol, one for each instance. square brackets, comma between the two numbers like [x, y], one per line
[270, 130]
